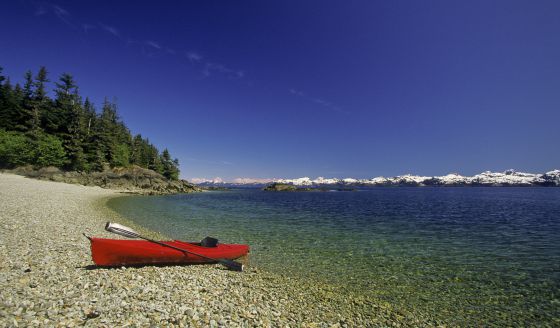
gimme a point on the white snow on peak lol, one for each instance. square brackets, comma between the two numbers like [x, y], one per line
[454, 179]
[374, 181]
[508, 177]
[409, 179]
[216, 180]
[552, 177]
[251, 180]
[321, 180]
[305, 181]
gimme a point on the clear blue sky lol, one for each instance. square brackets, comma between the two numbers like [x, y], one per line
[312, 88]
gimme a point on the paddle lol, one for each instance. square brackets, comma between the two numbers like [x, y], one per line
[129, 233]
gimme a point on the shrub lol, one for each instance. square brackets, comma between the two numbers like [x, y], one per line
[49, 151]
[15, 149]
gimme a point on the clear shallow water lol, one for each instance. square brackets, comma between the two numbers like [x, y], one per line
[461, 255]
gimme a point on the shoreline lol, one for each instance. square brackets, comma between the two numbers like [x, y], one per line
[47, 276]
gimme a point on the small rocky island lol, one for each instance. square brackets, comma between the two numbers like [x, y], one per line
[290, 187]
[284, 187]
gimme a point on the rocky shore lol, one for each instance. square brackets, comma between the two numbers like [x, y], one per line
[132, 179]
[47, 277]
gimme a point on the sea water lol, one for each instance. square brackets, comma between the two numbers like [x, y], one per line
[461, 255]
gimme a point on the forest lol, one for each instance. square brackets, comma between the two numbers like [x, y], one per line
[66, 131]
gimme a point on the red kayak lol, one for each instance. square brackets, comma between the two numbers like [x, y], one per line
[117, 252]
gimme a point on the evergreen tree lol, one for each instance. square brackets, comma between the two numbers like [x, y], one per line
[28, 85]
[40, 84]
[90, 116]
[42, 103]
[70, 121]
[93, 154]
[5, 89]
[121, 155]
[170, 167]
[11, 112]
[156, 165]
[106, 130]
[30, 107]
[138, 154]
[67, 132]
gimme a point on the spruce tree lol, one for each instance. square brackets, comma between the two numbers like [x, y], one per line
[170, 167]
[11, 111]
[31, 108]
[90, 116]
[137, 156]
[42, 103]
[5, 90]
[106, 132]
[90, 145]
[70, 121]
[40, 83]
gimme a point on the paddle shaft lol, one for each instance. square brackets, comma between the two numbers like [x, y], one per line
[179, 249]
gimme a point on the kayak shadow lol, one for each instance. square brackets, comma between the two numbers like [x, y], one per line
[138, 266]
[244, 260]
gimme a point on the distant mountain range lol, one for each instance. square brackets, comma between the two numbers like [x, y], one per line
[490, 179]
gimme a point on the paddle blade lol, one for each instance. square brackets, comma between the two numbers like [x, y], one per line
[121, 230]
[232, 265]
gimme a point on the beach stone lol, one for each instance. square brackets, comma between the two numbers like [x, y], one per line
[93, 314]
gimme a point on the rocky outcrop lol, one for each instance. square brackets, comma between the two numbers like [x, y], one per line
[130, 179]
[289, 187]
[281, 187]
[551, 178]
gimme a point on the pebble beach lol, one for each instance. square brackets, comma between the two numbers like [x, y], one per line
[47, 277]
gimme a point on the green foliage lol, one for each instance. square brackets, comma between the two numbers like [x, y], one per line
[12, 115]
[169, 167]
[15, 149]
[49, 151]
[40, 84]
[121, 155]
[67, 132]
[157, 166]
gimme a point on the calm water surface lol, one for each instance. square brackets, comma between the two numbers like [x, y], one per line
[475, 256]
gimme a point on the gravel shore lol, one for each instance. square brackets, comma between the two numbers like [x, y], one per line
[47, 277]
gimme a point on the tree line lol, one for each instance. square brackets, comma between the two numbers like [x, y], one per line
[67, 131]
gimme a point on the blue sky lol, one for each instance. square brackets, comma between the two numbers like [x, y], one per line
[287, 89]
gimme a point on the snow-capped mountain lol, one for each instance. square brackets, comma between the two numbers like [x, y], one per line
[235, 183]
[507, 178]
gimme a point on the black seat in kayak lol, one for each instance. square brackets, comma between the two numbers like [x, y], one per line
[209, 242]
